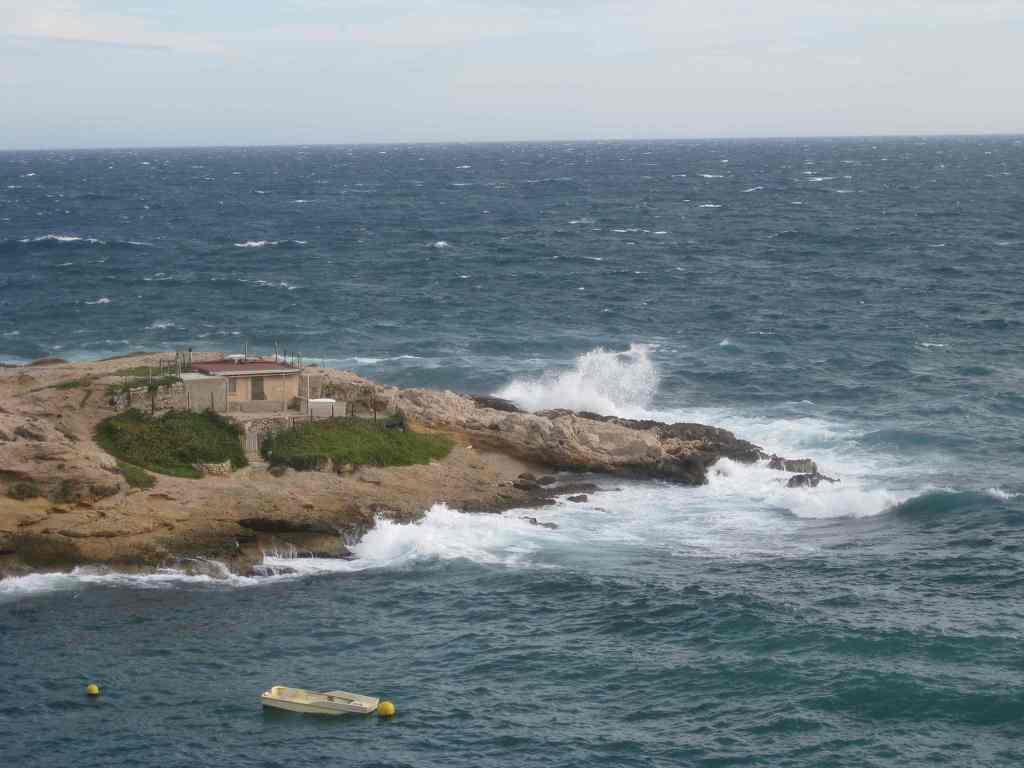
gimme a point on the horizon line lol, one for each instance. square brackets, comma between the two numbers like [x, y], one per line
[478, 142]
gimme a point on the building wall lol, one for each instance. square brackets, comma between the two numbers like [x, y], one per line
[277, 388]
[200, 392]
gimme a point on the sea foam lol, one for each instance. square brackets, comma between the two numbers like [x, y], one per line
[616, 383]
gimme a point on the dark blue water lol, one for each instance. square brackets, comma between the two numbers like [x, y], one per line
[859, 301]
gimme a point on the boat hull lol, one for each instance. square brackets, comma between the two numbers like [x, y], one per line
[312, 703]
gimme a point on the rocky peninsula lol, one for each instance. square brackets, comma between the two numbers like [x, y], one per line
[81, 511]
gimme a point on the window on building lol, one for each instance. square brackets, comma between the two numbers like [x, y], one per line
[232, 386]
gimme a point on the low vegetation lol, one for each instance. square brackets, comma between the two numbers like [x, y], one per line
[72, 384]
[351, 441]
[139, 372]
[151, 385]
[136, 477]
[24, 490]
[172, 443]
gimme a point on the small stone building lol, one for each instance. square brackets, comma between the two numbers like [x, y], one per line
[251, 385]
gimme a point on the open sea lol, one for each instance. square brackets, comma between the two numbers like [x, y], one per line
[857, 301]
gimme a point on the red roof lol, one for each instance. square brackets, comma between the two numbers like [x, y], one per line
[249, 367]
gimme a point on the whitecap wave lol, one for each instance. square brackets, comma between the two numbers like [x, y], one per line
[101, 300]
[62, 239]
[363, 360]
[1002, 495]
[616, 383]
[267, 243]
[440, 244]
[270, 284]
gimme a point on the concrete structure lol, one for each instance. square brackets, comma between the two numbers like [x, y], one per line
[203, 393]
[325, 408]
[250, 385]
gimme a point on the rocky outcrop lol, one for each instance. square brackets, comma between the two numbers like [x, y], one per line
[496, 403]
[581, 442]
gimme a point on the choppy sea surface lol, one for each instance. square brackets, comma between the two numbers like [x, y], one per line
[857, 301]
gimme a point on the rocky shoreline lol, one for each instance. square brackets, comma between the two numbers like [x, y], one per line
[504, 458]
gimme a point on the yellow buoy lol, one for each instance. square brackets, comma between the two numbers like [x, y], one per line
[92, 689]
[386, 709]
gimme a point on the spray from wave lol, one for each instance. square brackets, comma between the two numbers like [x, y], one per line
[614, 383]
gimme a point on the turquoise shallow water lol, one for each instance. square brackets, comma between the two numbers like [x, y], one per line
[858, 301]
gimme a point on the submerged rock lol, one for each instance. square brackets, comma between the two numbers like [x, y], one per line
[535, 521]
[803, 466]
[809, 480]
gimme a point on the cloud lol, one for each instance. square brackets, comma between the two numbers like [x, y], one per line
[65, 21]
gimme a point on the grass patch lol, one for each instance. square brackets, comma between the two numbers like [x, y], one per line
[138, 372]
[352, 441]
[136, 477]
[172, 443]
[73, 384]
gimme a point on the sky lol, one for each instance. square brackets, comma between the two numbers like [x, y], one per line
[118, 73]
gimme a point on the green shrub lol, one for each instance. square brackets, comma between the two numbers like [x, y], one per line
[25, 490]
[172, 442]
[136, 477]
[352, 441]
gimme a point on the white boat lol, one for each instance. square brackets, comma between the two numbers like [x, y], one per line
[311, 702]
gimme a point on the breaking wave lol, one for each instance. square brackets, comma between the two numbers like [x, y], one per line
[199, 573]
[442, 534]
[615, 383]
